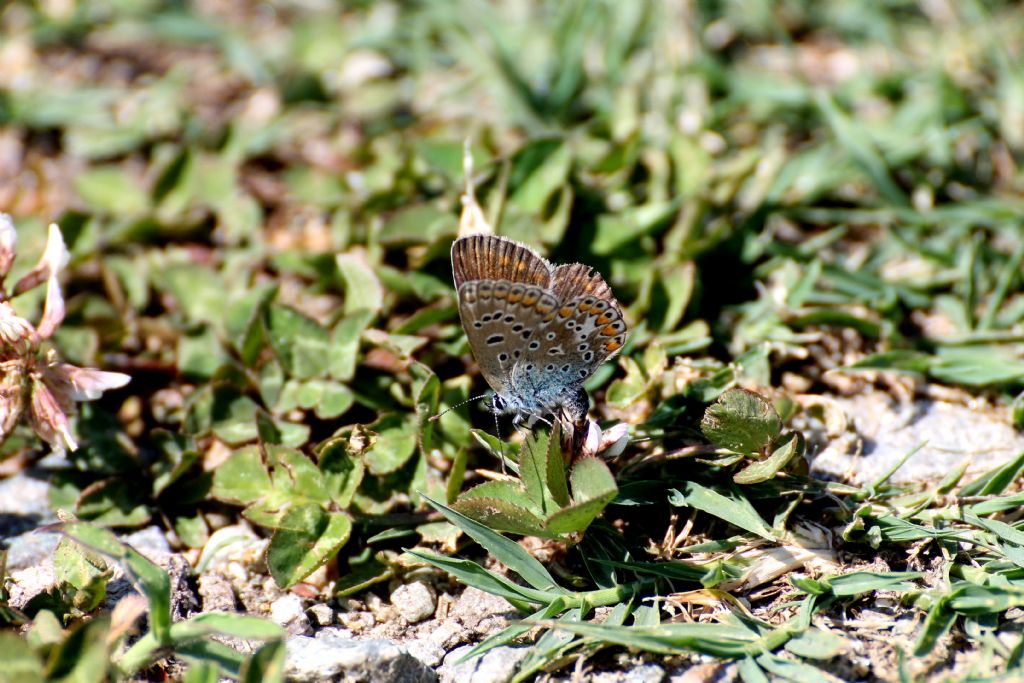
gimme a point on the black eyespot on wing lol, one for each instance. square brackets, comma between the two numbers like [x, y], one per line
[478, 324]
[583, 346]
[550, 336]
[588, 356]
[534, 345]
[583, 373]
[529, 366]
[510, 319]
[517, 328]
[570, 324]
[502, 357]
[550, 367]
[517, 353]
[527, 333]
[495, 339]
[565, 368]
[555, 351]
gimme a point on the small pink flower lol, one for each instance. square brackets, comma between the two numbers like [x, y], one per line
[47, 387]
[49, 418]
[82, 384]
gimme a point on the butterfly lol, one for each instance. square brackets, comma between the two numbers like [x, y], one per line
[538, 331]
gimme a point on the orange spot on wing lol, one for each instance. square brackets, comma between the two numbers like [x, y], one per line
[612, 346]
[603, 320]
[609, 331]
[565, 311]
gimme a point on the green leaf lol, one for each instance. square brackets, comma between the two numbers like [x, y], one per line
[533, 469]
[734, 509]
[363, 290]
[906, 361]
[742, 422]
[83, 656]
[111, 190]
[857, 583]
[295, 475]
[306, 538]
[342, 472]
[242, 478]
[153, 580]
[394, 444]
[266, 665]
[344, 347]
[299, 342]
[84, 572]
[509, 553]
[472, 574]
[763, 470]
[544, 179]
[503, 515]
[976, 366]
[576, 517]
[995, 481]
[937, 624]
[21, 663]
[592, 480]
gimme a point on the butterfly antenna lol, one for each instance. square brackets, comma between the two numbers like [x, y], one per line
[435, 418]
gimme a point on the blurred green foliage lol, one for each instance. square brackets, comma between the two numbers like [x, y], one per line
[259, 199]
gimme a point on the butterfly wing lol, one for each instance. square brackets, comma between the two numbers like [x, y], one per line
[488, 257]
[501, 319]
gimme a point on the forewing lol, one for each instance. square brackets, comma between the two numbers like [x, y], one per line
[488, 257]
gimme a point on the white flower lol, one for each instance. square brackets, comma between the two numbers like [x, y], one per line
[54, 258]
[610, 443]
[13, 328]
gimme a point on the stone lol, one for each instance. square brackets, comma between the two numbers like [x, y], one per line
[494, 666]
[315, 660]
[287, 611]
[885, 431]
[322, 614]
[414, 601]
[216, 593]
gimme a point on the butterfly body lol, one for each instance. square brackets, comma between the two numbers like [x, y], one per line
[538, 331]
